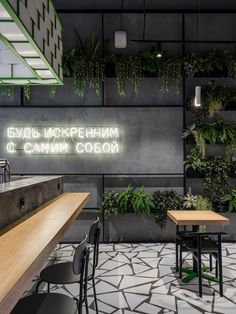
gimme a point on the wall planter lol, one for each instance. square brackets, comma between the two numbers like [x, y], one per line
[130, 227]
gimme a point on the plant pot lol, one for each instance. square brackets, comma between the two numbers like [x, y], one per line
[130, 227]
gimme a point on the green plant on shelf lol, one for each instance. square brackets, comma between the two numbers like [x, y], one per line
[142, 202]
[127, 68]
[230, 200]
[192, 65]
[195, 161]
[27, 91]
[109, 203]
[85, 66]
[197, 202]
[125, 199]
[216, 179]
[214, 99]
[164, 201]
[170, 72]
[213, 132]
[52, 91]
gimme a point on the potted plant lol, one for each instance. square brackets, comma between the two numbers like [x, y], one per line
[131, 217]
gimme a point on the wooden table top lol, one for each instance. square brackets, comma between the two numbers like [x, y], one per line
[196, 217]
[25, 247]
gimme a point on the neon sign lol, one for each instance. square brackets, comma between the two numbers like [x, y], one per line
[91, 140]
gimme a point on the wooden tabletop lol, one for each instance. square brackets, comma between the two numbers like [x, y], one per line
[25, 247]
[196, 217]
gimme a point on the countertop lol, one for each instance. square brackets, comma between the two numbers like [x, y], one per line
[25, 182]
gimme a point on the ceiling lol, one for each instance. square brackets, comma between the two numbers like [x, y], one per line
[150, 4]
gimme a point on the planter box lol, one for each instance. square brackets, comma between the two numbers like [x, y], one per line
[130, 227]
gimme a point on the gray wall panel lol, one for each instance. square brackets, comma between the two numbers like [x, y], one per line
[150, 139]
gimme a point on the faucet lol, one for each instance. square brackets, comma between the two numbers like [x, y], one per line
[5, 171]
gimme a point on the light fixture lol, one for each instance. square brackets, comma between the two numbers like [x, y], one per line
[158, 50]
[120, 36]
[30, 55]
[197, 99]
[120, 39]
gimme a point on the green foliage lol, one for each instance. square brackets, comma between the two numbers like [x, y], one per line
[164, 201]
[127, 68]
[214, 132]
[52, 91]
[109, 203]
[129, 200]
[230, 200]
[27, 91]
[141, 202]
[195, 160]
[197, 202]
[7, 90]
[193, 65]
[214, 99]
[216, 175]
[85, 66]
[150, 62]
[125, 200]
[170, 72]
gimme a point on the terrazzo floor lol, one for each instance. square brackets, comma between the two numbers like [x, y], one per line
[140, 278]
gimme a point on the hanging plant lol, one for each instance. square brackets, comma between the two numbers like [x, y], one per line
[127, 68]
[10, 92]
[193, 65]
[214, 132]
[216, 181]
[170, 72]
[52, 91]
[85, 66]
[27, 91]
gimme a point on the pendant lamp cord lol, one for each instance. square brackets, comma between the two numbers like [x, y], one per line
[197, 17]
[144, 18]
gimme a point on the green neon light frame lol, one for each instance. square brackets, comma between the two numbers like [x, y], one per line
[30, 40]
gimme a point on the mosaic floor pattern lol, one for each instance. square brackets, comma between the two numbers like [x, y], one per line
[140, 278]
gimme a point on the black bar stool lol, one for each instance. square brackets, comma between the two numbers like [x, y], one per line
[56, 303]
[62, 273]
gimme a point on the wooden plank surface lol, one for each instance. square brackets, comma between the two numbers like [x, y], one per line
[25, 247]
[196, 217]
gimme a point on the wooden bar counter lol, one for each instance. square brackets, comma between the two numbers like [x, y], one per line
[25, 246]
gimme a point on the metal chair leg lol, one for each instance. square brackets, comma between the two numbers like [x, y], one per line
[220, 268]
[180, 260]
[216, 270]
[177, 255]
[37, 286]
[200, 274]
[86, 306]
[95, 296]
[48, 287]
[210, 266]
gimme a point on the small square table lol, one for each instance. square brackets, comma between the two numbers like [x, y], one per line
[195, 218]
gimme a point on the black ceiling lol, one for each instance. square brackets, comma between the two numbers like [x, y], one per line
[150, 4]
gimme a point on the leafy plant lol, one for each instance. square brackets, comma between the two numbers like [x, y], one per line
[193, 65]
[197, 202]
[164, 201]
[214, 132]
[109, 203]
[230, 200]
[212, 62]
[195, 160]
[141, 202]
[52, 91]
[125, 200]
[170, 72]
[85, 66]
[150, 62]
[216, 175]
[27, 91]
[127, 68]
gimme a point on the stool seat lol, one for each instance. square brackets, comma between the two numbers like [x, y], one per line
[45, 303]
[62, 273]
